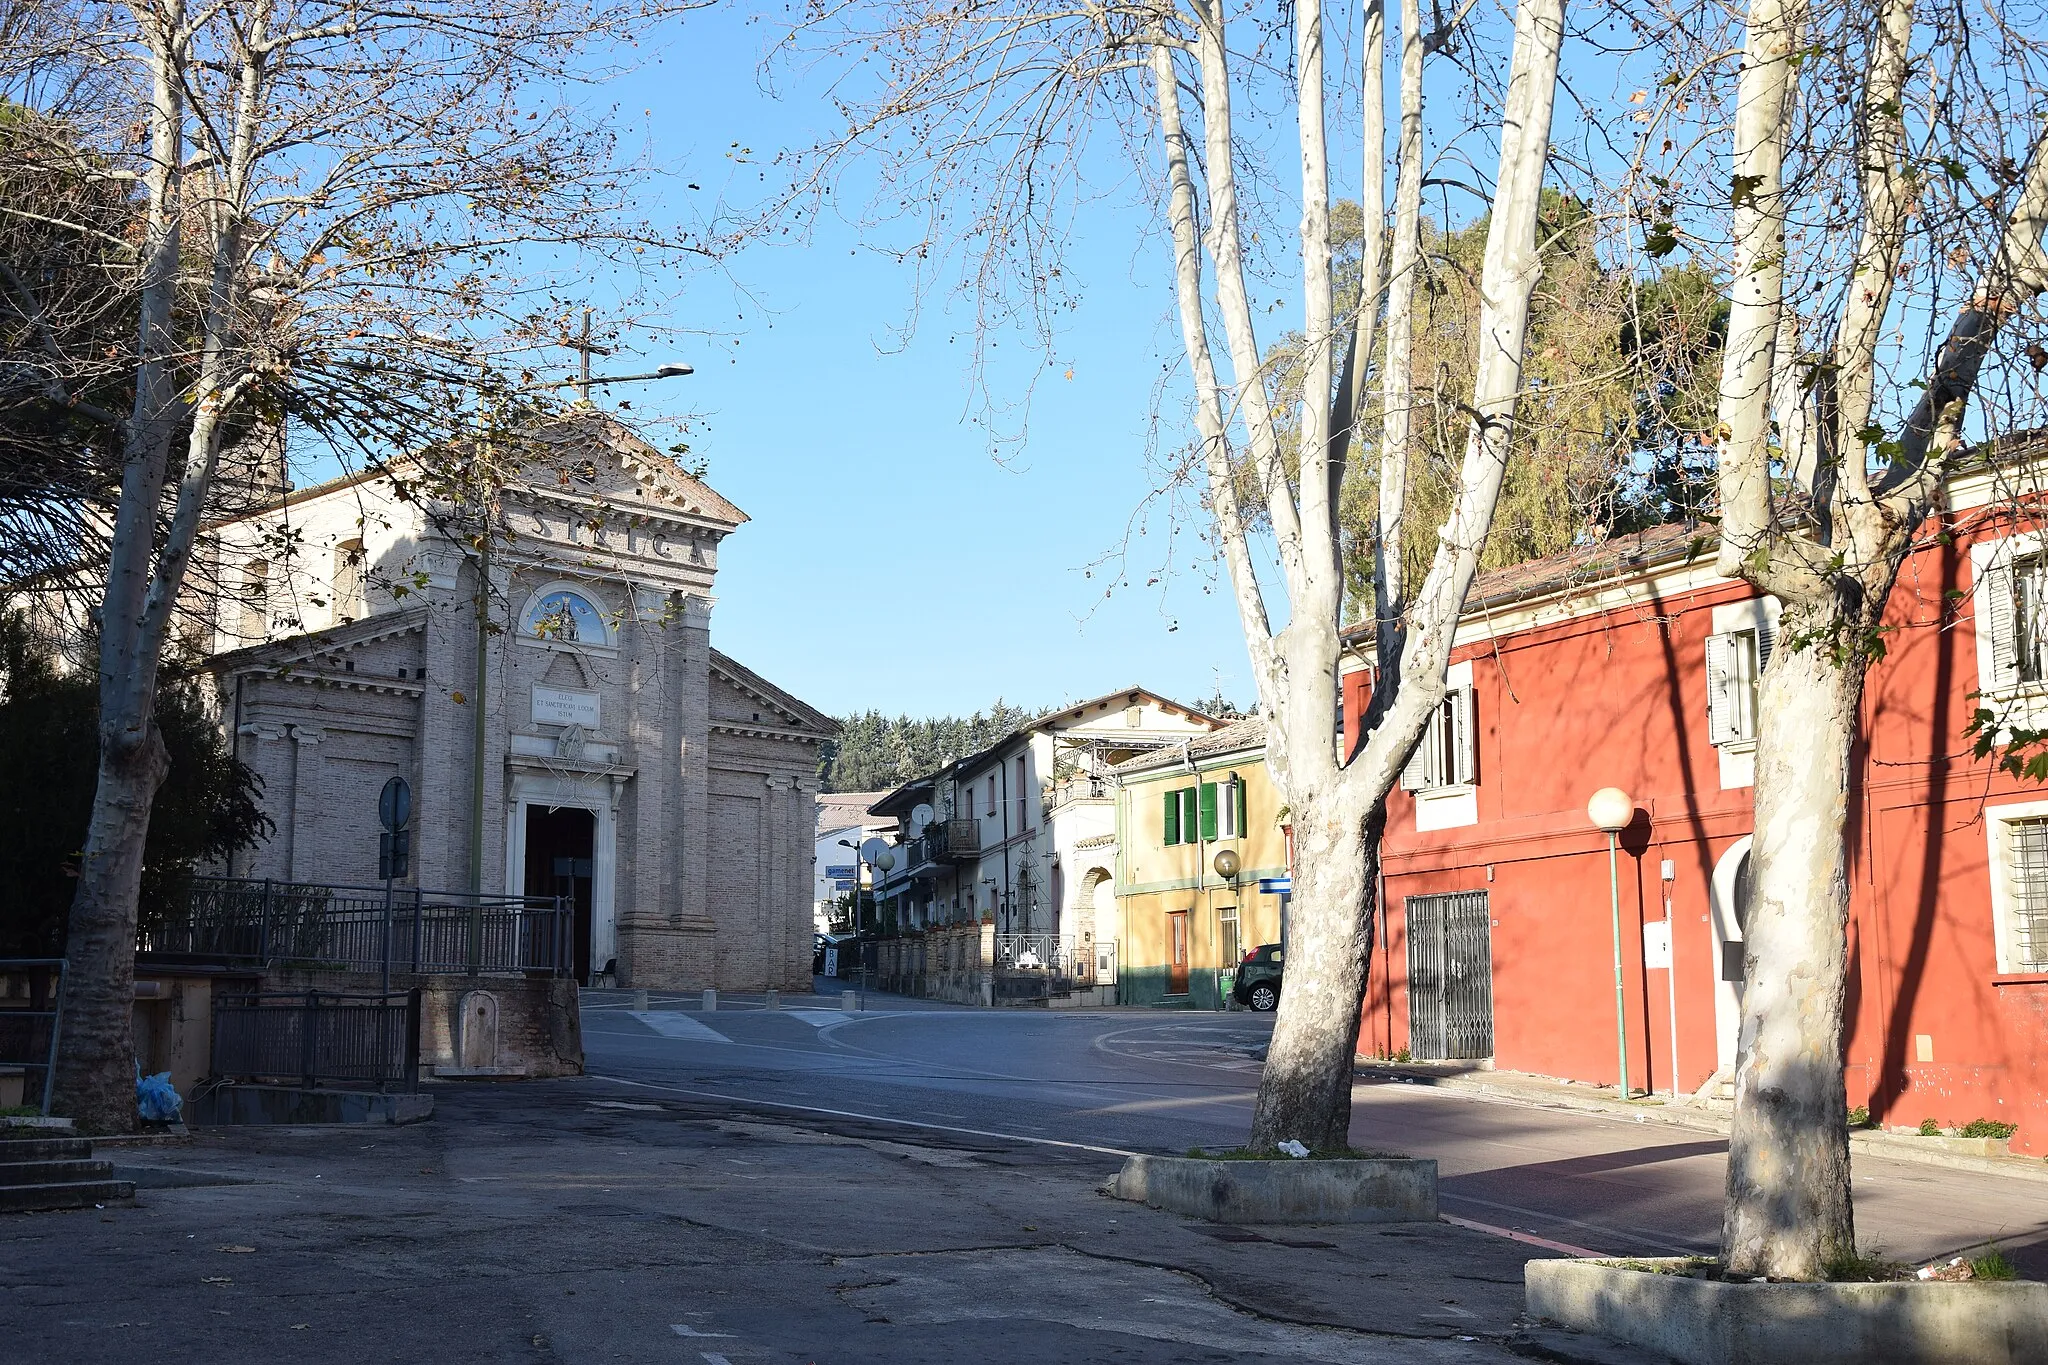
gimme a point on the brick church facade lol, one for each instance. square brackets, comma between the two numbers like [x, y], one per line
[661, 787]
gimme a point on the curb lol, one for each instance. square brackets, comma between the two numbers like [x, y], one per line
[1886, 1146]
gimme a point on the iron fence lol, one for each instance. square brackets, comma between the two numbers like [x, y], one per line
[355, 928]
[315, 1038]
[1038, 966]
[30, 1023]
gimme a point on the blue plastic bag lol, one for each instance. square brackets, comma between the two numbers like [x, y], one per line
[155, 1099]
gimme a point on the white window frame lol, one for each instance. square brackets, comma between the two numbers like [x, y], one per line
[1445, 757]
[1443, 772]
[1736, 750]
[1226, 808]
[2000, 686]
[2005, 908]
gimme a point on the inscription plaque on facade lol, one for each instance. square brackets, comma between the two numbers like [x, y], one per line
[559, 706]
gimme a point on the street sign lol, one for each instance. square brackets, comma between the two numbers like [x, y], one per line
[394, 854]
[394, 804]
[840, 872]
[1276, 886]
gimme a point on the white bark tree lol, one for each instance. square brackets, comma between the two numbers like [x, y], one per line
[342, 214]
[981, 110]
[1821, 505]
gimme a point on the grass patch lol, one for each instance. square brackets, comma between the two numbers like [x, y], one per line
[1847, 1265]
[21, 1111]
[1929, 1128]
[1275, 1154]
[1992, 1265]
[1987, 1128]
[1859, 1117]
[1691, 1267]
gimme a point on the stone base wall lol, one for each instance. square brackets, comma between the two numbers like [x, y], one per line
[476, 1025]
[956, 964]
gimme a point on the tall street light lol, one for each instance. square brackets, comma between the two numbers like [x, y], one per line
[1611, 810]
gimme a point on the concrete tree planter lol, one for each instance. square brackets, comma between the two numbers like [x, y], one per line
[1714, 1322]
[1286, 1190]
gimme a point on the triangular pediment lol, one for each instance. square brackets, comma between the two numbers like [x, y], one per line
[743, 699]
[375, 648]
[589, 454]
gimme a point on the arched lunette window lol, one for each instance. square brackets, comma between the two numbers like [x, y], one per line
[567, 617]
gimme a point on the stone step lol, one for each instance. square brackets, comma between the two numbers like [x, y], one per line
[53, 1172]
[45, 1149]
[74, 1194]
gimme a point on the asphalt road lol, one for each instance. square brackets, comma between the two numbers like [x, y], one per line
[1165, 1081]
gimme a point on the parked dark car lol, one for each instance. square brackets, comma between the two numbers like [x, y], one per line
[1258, 978]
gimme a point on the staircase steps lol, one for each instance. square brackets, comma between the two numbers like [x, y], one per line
[56, 1173]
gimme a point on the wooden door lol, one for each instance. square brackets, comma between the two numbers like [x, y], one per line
[1177, 952]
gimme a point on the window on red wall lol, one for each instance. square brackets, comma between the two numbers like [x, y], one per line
[1353, 695]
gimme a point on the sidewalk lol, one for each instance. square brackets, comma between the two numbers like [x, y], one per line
[577, 1220]
[1519, 1087]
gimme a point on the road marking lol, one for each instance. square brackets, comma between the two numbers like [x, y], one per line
[714, 1358]
[683, 1329]
[867, 1118]
[676, 1024]
[1531, 1238]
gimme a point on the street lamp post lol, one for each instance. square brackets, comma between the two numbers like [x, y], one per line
[1611, 810]
[1227, 865]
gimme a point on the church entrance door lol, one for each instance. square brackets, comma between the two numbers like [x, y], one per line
[561, 845]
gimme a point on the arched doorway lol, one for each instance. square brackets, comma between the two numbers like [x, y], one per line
[1729, 911]
[1098, 904]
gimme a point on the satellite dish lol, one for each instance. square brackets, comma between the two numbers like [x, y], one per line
[920, 816]
[873, 849]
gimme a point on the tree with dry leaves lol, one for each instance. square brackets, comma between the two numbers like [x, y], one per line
[1878, 215]
[980, 123]
[304, 215]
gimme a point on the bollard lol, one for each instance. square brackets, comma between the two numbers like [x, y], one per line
[775, 1000]
[849, 1001]
[640, 1001]
[710, 1002]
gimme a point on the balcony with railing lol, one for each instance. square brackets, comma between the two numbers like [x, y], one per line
[951, 841]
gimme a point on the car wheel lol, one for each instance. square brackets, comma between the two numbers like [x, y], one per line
[1263, 998]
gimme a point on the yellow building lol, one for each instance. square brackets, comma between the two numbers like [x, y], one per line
[1185, 924]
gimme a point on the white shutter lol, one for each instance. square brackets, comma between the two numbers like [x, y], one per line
[2000, 620]
[1464, 740]
[1766, 636]
[1724, 716]
[1415, 776]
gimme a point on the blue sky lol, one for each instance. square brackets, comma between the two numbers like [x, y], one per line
[892, 561]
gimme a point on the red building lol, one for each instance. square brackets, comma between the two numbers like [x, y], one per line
[1632, 664]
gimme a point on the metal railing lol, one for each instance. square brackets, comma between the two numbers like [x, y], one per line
[29, 1029]
[353, 928]
[315, 1038]
[953, 840]
[1038, 966]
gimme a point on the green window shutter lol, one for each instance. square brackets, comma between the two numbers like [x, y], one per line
[1172, 817]
[1243, 829]
[1209, 811]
